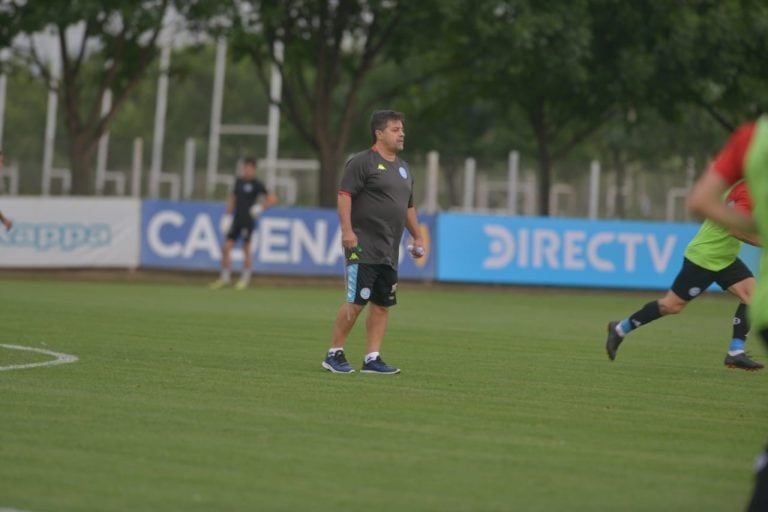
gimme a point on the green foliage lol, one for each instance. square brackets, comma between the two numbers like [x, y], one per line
[554, 80]
[101, 46]
[331, 49]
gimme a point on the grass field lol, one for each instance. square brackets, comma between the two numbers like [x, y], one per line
[187, 399]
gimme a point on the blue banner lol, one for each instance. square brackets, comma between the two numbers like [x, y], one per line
[186, 235]
[562, 252]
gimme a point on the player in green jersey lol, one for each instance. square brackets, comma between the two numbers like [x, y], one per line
[710, 257]
[745, 155]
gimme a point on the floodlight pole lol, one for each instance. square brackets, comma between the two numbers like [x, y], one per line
[138, 150]
[433, 167]
[216, 104]
[103, 148]
[513, 181]
[470, 167]
[3, 82]
[160, 111]
[273, 119]
[594, 188]
[50, 122]
[189, 168]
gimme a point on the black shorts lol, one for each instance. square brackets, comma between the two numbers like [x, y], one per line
[241, 228]
[377, 283]
[693, 279]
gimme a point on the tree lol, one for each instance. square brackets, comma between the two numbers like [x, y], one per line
[532, 61]
[102, 45]
[330, 49]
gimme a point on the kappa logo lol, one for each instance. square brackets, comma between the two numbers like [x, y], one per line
[50, 236]
[693, 292]
[382, 167]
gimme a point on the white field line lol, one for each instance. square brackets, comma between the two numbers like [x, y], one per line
[9, 509]
[60, 359]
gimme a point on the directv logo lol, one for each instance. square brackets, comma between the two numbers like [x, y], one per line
[574, 250]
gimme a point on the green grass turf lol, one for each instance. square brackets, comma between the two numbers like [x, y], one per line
[187, 399]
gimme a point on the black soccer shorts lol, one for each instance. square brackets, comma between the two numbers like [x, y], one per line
[692, 279]
[241, 228]
[371, 282]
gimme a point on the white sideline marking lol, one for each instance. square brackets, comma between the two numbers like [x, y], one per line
[60, 359]
[9, 509]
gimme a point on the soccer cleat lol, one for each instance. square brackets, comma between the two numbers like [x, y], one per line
[379, 366]
[241, 285]
[613, 341]
[743, 362]
[219, 283]
[337, 363]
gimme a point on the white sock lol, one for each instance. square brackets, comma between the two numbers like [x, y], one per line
[735, 352]
[225, 275]
[246, 276]
[370, 357]
[619, 330]
[332, 351]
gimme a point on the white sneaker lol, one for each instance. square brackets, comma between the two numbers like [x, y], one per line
[219, 283]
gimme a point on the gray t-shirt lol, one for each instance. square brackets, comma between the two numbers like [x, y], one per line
[382, 192]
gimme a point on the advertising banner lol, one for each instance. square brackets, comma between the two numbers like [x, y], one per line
[301, 241]
[563, 252]
[70, 232]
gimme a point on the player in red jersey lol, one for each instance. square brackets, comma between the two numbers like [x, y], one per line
[745, 155]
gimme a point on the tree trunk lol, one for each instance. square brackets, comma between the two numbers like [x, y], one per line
[450, 171]
[329, 151]
[328, 184]
[621, 178]
[545, 161]
[81, 165]
[545, 180]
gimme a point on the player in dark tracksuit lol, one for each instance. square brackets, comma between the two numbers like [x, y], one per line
[244, 204]
[375, 204]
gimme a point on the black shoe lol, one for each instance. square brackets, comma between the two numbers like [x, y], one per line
[337, 363]
[760, 493]
[743, 362]
[613, 341]
[380, 367]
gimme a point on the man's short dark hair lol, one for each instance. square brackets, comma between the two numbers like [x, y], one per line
[249, 160]
[380, 118]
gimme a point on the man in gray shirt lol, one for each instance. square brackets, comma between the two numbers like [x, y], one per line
[375, 204]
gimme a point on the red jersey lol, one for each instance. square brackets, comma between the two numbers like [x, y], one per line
[739, 198]
[729, 163]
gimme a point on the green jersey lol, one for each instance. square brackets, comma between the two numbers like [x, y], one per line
[756, 172]
[713, 247]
